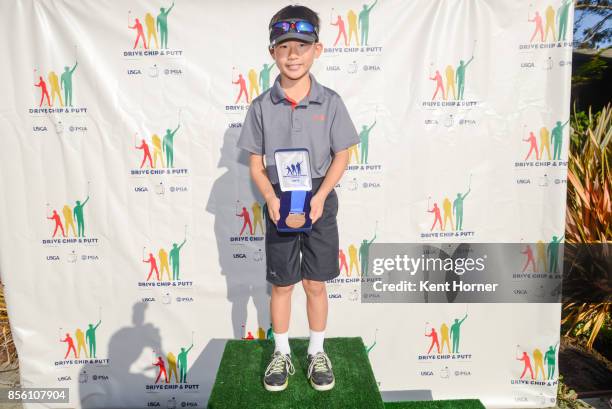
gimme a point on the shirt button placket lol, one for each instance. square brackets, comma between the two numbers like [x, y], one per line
[296, 123]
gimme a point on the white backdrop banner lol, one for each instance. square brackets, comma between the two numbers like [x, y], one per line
[132, 242]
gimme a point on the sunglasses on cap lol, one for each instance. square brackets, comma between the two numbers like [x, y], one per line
[292, 26]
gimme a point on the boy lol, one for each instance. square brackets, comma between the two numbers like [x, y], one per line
[298, 112]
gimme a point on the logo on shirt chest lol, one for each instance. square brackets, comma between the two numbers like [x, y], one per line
[318, 117]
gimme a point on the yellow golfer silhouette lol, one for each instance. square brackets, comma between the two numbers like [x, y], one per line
[80, 336]
[445, 338]
[253, 84]
[539, 363]
[163, 264]
[450, 82]
[544, 142]
[151, 32]
[353, 260]
[68, 220]
[157, 150]
[55, 88]
[172, 367]
[257, 217]
[447, 207]
[352, 22]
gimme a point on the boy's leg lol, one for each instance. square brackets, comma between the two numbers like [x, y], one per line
[283, 272]
[276, 375]
[280, 311]
[316, 308]
[320, 263]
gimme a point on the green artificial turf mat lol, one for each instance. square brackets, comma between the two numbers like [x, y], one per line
[239, 382]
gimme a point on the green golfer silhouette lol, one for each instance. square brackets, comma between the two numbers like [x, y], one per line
[364, 22]
[364, 251]
[270, 333]
[90, 338]
[550, 360]
[563, 14]
[364, 136]
[460, 75]
[78, 215]
[264, 76]
[168, 146]
[553, 253]
[66, 83]
[162, 25]
[455, 334]
[174, 259]
[458, 209]
[182, 364]
[557, 139]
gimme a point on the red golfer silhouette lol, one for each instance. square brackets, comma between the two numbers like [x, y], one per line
[341, 31]
[243, 88]
[247, 221]
[342, 258]
[439, 85]
[434, 340]
[530, 259]
[43, 89]
[538, 27]
[146, 154]
[162, 369]
[533, 145]
[58, 223]
[438, 218]
[138, 27]
[70, 342]
[527, 361]
[153, 262]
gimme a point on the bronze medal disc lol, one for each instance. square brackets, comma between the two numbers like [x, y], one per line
[295, 220]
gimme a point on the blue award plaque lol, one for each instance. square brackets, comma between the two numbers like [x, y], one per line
[293, 168]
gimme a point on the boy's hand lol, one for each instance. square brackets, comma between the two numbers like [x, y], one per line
[273, 204]
[316, 207]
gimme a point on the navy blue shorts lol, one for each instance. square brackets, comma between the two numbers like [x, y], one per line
[318, 247]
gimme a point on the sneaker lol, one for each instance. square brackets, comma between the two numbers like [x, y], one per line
[320, 372]
[277, 373]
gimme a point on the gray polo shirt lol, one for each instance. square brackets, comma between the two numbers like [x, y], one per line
[319, 123]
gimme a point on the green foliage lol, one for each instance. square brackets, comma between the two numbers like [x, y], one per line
[591, 70]
[567, 398]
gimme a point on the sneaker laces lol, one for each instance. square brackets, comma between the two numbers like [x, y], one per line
[320, 363]
[278, 364]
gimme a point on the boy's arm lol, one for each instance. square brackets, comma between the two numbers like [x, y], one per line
[334, 173]
[251, 139]
[343, 136]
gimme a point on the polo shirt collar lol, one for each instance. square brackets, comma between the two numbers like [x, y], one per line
[316, 93]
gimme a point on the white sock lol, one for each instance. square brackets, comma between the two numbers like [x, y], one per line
[281, 342]
[316, 342]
